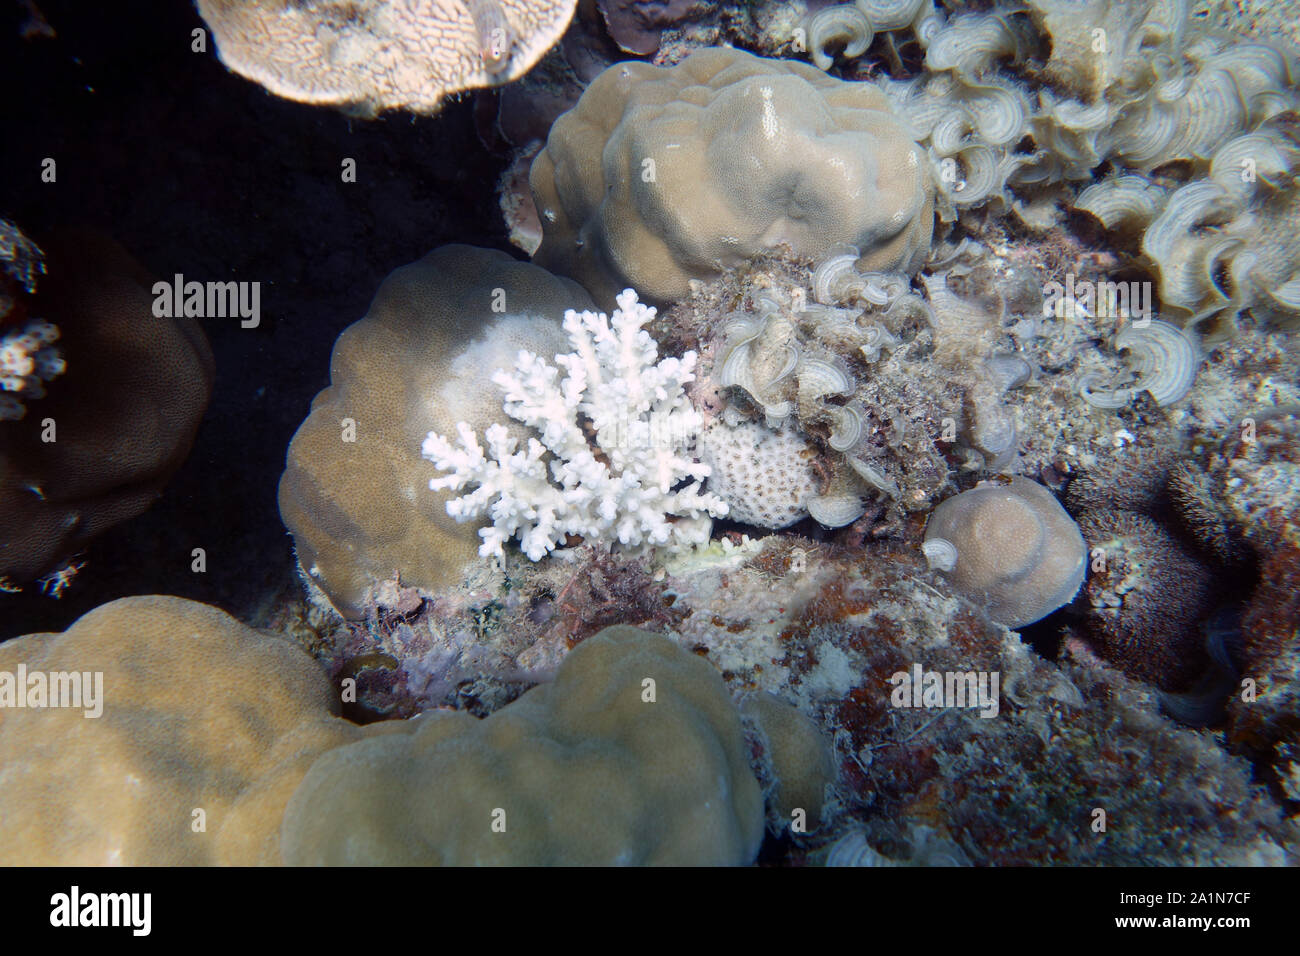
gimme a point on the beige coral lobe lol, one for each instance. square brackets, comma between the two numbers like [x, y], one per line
[663, 175]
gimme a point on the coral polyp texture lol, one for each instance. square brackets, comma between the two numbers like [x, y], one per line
[764, 476]
[660, 176]
[1013, 548]
[624, 487]
[114, 426]
[367, 56]
[355, 492]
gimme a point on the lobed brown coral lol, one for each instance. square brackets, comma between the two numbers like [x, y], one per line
[115, 426]
[633, 755]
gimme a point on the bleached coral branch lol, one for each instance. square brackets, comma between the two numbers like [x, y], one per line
[623, 489]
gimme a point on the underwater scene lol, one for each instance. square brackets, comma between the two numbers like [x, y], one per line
[630, 433]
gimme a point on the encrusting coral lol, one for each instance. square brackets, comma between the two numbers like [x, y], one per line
[1010, 547]
[367, 56]
[624, 489]
[355, 492]
[659, 176]
[115, 426]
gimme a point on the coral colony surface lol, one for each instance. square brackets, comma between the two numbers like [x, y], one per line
[848, 434]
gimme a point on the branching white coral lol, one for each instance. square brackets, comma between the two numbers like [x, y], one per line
[625, 488]
[28, 359]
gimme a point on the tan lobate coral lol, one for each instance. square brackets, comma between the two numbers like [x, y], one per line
[633, 755]
[205, 727]
[659, 176]
[355, 491]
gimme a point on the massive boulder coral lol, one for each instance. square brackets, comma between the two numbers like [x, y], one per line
[659, 176]
[367, 56]
[184, 753]
[355, 491]
[634, 755]
[115, 425]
